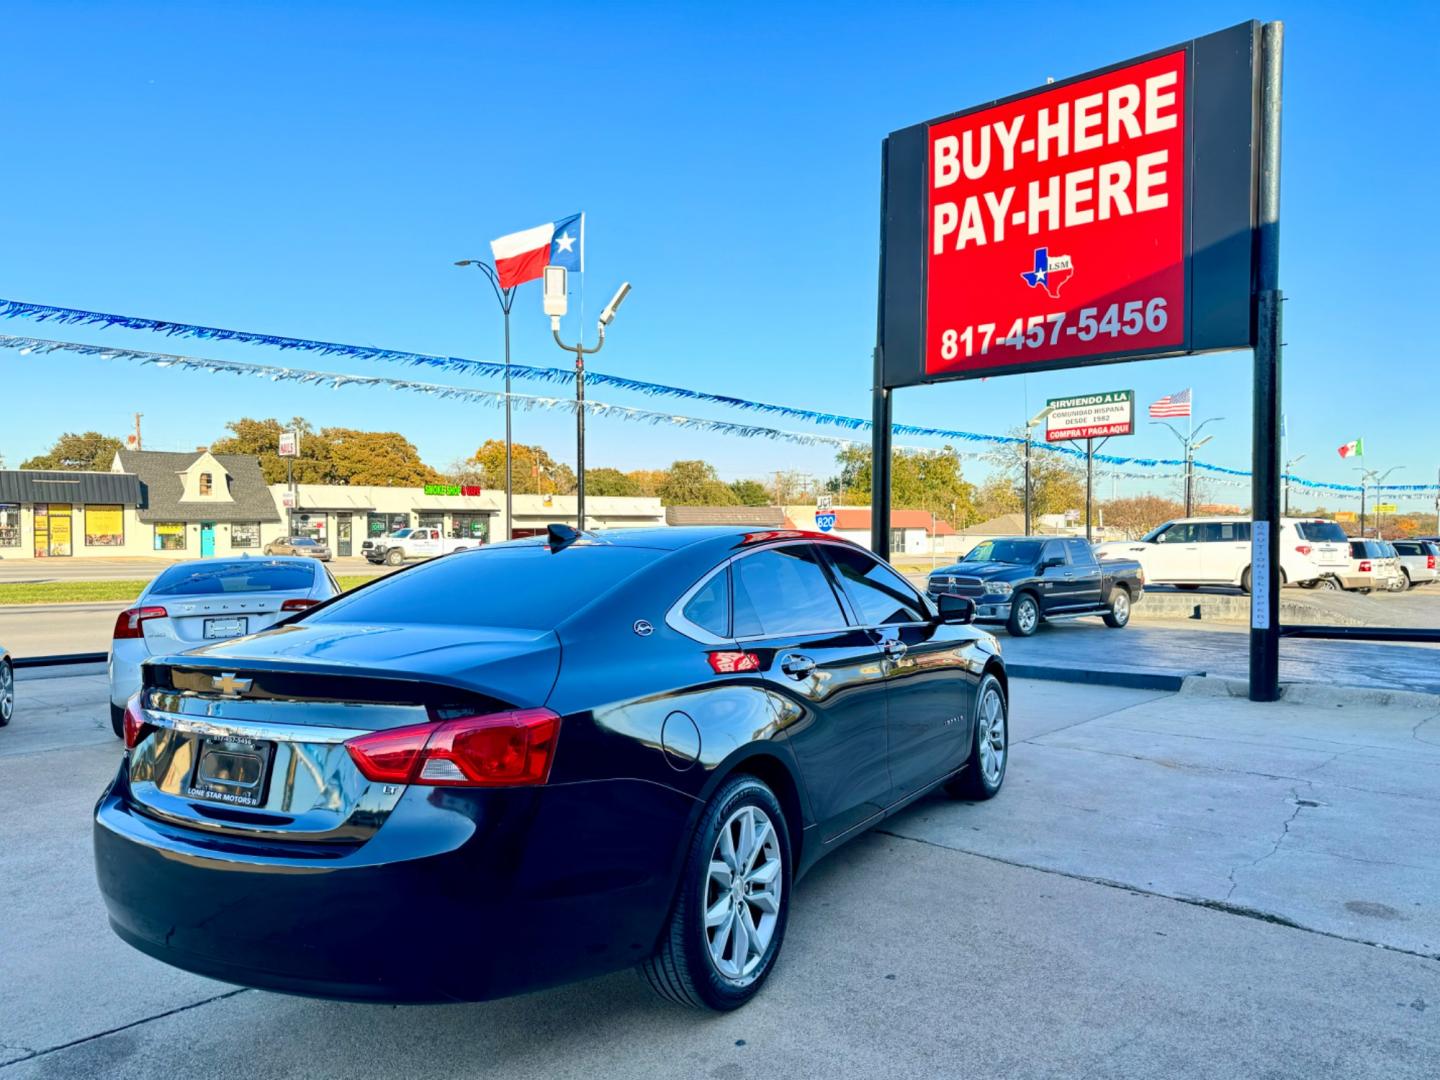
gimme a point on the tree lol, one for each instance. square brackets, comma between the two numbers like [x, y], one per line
[610, 482]
[695, 483]
[378, 458]
[261, 438]
[1057, 481]
[997, 496]
[648, 480]
[535, 471]
[334, 455]
[1138, 515]
[87, 452]
[928, 480]
[750, 492]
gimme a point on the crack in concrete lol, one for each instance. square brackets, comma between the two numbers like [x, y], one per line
[33, 1054]
[1415, 731]
[1223, 906]
[1284, 832]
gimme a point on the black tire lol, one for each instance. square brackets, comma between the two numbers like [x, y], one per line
[7, 692]
[682, 969]
[117, 720]
[1024, 616]
[394, 557]
[1408, 583]
[1245, 581]
[1118, 617]
[1188, 588]
[971, 783]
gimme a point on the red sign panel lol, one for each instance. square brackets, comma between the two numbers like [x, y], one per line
[1056, 224]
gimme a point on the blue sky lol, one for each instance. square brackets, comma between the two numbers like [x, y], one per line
[313, 169]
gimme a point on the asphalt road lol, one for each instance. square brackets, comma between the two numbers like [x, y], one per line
[1119, 910]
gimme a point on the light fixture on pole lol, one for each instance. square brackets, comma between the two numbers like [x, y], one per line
[506, 297]
[556, 304]
[1190, 443]
[1367, 477]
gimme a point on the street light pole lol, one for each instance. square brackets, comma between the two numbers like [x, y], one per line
[506, 297]
[1369, 476]
[1029, 484]
[1190, 443]
[1288, 466]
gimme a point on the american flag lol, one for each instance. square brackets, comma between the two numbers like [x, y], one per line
[1172, 405]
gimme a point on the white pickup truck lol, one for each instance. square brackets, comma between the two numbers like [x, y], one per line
[405, 544]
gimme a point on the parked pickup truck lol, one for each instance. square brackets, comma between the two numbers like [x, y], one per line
[1022, 581]
[405, 544]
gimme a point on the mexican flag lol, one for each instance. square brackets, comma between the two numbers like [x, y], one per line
[1353, 449]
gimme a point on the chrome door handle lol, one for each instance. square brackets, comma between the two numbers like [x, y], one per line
[894, 648]
[797, 666]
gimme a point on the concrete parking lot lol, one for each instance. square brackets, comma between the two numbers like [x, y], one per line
[1170, 885]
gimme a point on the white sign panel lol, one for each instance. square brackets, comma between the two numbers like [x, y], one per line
[1090, 416]
[1260, 575]
[289, 444]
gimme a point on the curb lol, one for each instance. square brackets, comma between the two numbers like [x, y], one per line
[1127, 678]
[1312, 693]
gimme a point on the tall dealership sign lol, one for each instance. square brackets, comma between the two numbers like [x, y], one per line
[1123, 214]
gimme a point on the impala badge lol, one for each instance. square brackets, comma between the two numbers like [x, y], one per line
[229, 685]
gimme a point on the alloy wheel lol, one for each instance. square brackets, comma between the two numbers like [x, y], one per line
[742, 893]
[7, 693]
[1028, 616]
[1120, 606]
[991, 718]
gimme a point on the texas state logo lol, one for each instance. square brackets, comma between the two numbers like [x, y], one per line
[1051, 272]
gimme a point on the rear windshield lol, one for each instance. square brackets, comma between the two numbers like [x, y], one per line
[252, 576]
[1021, 552]
[1321, 532]
[519, 588]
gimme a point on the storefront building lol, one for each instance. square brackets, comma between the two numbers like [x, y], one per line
[48, 514]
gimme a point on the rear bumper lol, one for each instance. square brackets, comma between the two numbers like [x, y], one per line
[460, 895]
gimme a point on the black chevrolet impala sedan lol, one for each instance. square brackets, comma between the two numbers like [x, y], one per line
[538, 761]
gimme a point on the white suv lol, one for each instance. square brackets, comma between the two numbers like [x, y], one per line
[1190, 552]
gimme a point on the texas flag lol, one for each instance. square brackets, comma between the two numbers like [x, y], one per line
[523, 256]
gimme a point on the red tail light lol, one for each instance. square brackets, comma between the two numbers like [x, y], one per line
[728, 663]
[1429, 562]
[298, 604]
[1303, 549]
[127, 623]
[1365, 566]
[134, 723]
[507, 749]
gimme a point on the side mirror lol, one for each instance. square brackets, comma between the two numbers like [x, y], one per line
[956, 609]
[1046, 564]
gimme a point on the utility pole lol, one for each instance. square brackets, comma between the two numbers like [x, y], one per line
[138, 444]
[506, 298]
[1029, 483]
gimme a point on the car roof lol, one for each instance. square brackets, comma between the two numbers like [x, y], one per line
[676, 537]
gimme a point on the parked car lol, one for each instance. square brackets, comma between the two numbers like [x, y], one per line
[1191, 552]
[1398, 582]
[1373, 565]
[1419, 561]
[406, 544]
[192, 603]
[299, 545]
[565, 756]
[1022, 581]
[7, 686]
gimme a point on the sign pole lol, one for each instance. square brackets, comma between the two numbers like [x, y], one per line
[1028, 440]
[1265, 491]
[881, 412]
[1089, 486]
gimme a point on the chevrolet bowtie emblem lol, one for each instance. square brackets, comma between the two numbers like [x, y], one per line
[229, 684]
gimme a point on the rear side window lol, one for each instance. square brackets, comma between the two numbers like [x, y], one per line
[881, 595]
[783, 591]
[251, 576]
[1321, 532]
[1223, 532]
[709, 608]
[520, 588]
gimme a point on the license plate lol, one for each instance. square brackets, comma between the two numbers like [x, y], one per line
[223, 628]
[231, 770]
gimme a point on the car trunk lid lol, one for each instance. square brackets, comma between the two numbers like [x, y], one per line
[247, 737]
